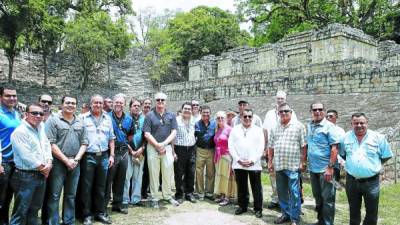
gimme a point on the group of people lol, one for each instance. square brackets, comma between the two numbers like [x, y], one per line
[105, 155]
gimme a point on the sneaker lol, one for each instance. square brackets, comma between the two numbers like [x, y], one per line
[180, 200]
[224, 202]
[191, 198]
[201, 197]
[218, 200]
[259, 214]
[155, 205]
[173, 202]
[210, 196]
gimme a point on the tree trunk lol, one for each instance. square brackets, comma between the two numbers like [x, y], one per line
[85, 79]
[109, 72]
[44, 56]
[10, 67]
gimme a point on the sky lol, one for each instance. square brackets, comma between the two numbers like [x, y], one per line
[184, 5]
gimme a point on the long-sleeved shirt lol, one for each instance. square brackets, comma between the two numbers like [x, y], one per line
[246, 144]
[31, 147]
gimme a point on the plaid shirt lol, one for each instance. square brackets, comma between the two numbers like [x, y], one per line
[185, 132]
[287, 142]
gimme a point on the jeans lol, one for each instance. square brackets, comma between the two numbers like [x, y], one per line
[133, 181]
[61, 177]
[6, 191]
[184, 169]
[324, 193]
[242, 177]
[356, 190]
[288, 187]
[94, 170]
[205, 159]
[29, 187]
[116, 179]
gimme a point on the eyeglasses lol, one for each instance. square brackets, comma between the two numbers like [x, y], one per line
[319, 109]
[247, 116]
[70, 103]
[284, 111]
[46, 102]
[160, 100]
[36, 113]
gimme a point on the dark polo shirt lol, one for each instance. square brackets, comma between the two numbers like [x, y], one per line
[160, 126]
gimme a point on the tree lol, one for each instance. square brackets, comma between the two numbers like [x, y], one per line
[93, 39]
[14, 19]
[273, 19]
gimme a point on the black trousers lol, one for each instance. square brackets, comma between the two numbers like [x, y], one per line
[242, 177]
[116, 179]
[6, 191]
[184, 169]
[368, 189]
[145, 178]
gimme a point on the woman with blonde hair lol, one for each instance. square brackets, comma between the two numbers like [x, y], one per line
[225, 185]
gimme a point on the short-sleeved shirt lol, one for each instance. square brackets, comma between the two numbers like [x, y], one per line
[320, 137]
[100, 132]
[185, 132]
[68, 136]
[9, 120]
[160, 127]
[205, 134]
[122, 128]
[287, 142]
[138, 138]
[272, 120]
[363, 159]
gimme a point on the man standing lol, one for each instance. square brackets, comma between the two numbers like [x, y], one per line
[286, 145]
[98, 158]
[246, 145]
[272, 119]
[205, 131]
[242, 106]
[160, 130]
[332, 116]
[322, 150]
[122, 126]
[46, 101]
[33, 162]
[68, 140]
[365, 152]
[9, 120]
[146, 106]
[196, 110]
[145, 179]
[184, 147]
[107, 105]
[136, 159]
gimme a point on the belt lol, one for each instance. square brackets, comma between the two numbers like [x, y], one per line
[97, 153]
[29, 171]
[120, 150]
[363, 180]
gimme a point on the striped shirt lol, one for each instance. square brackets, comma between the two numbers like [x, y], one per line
[185, 132]
[287, 142]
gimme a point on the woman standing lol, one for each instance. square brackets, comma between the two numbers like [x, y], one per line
[225, 185]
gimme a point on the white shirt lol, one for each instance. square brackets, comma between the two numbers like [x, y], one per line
[246, 144]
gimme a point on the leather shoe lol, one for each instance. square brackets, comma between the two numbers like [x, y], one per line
[282, 219]
[190, 198]
[120, 210]
[273, 205]
[240, 210]
[103, 219]
[259, 214]
[87, 221]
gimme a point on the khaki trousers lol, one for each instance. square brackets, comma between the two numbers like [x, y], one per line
[205, 158]
[274, 195]
[155, 163]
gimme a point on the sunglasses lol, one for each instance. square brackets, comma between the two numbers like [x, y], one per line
[247, 116]
[319, 109]
[160, 100]
[36, 113]
[195, 104]
[220, 118]
[46, 101]
[284, 111]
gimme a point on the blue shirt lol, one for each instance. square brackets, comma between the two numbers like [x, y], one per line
[320, 137]
[363, 159]
[100, 132]
[138, 139]
[9, 120]
[30, 146]
[205, 134]
[122, 128]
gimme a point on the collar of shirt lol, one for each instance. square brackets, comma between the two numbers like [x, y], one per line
[321, 123]
[61, 117]
[5, 109]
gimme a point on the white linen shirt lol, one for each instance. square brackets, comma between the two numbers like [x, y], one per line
[246, 144]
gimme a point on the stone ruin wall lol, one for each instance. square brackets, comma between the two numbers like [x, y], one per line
[338, 65]
[128, 76]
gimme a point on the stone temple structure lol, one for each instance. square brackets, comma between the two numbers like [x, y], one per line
[340, 66]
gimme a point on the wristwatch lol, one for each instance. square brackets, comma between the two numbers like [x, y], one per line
[331, 164]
